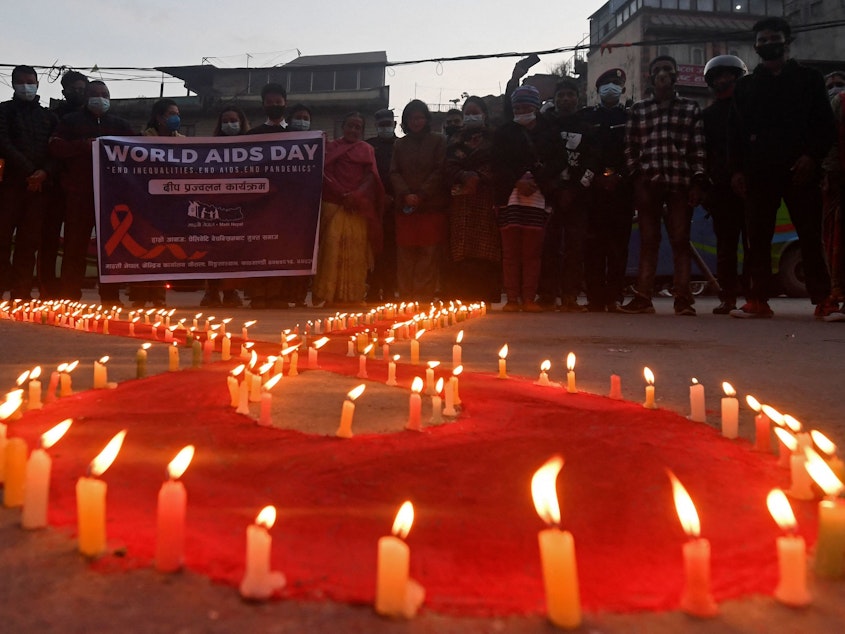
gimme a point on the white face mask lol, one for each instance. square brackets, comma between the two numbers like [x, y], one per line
[473, 120]
[385, 131]
[230, 128]
[610, 91]
[26, 92]
[300, 124]
[98, 105]
[524, 119]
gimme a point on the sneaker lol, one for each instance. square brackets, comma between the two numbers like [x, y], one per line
[826, 308]
[532, 307]
[638, 305]
[724, 308]
[211, 299]
[231, 299]
[753, 309]
[571, 305]
[683, 308]
[511, 307]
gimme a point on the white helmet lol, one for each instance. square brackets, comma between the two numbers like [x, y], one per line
[719, 62]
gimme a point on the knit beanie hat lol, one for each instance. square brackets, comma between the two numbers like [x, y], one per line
[526, 94]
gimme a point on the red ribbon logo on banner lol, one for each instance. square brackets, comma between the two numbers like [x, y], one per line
[121, 220]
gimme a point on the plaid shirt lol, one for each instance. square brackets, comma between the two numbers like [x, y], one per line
[665, 143]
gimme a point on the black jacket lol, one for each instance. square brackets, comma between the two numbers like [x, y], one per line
[25, 129]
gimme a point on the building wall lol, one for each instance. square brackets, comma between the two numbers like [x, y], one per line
[824, 44]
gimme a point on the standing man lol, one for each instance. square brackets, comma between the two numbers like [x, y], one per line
[25, 129]
[382, 286]
[780, 128]
[664, 152]
[727, 209]
[72, 144]
[611, 210]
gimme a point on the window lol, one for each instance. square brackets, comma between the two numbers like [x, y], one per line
[322, 80]
[346, 79]
[724, 6]
[697, 56]
[684, 5]
[372, 77]
[669, 4]
[300, 81]
[704, 5]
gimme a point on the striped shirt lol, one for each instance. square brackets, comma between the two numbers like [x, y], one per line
[665, 141]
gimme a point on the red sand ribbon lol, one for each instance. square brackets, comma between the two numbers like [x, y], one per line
[121, 236]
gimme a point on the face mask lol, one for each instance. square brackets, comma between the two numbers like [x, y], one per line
[274, 112]
[230, 128]
[451, 129]
[173, 122]
[770, 51]
[610, 91]
[524, 119]
[385, 132]
[98, 105]
[300, 124]
[473, 120]
[26, 92]
[835, 90]
[74, 100]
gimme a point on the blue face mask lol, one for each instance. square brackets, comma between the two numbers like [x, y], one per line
[230, 128]
[98, 105]
[26, 92]
[300, 124]
[173, 122]
[610, 91]
[473, 120]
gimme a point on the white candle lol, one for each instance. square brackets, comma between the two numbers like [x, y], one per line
[362, 362]
[34, 401]
[730, 412]
[429, 377]
[173, 357]
[456, 350]
[415, 348]
[801, 488]
[570, 374]
[232, 384]
[696, 402]
[615, 387]
[65, 383]
[100, 373]
[91, 500]
[37, 483]
[543, 379]
[415, 405]
[649, 389]
[141, 361]
[226, 347]
[243, 394]
[170, 516]
[14, 476]
[391, 371]
[396, 593]
[259, 581]
[503, 367]
[437, 403]
[792, 556]
[344, 430]
[265, 416]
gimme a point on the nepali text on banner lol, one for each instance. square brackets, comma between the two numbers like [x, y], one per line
[170, 208]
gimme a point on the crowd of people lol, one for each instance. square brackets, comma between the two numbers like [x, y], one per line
[540, 207]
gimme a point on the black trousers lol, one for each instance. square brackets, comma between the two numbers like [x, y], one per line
[608, 233]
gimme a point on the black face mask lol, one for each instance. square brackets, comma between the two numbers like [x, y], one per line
[74, 99]
[770, 51]
[274, 112]
[451, 129]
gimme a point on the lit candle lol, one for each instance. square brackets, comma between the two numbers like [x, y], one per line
[696, 599]
[168, 334]
[456, 350]
[615, 387]
[762, 427]
[65, 384]
[828, 451]
[503, 367]
[259, 581]
[312, 351]
[141, 361]
[362, 362]
[429, 377]
[391, 371]
[172, 501]
[265, 416]
[243, 393]
[543, 379]
[208, 348]
[91, 500]
[396, 593]
[829, 559]
[37, 480]
[293, 369]
[454, 381]
[196, 353]
[792, 554]
[649, 389]
[696, 402]
[246, 327]
[132, 326]
[350, 347]
[385, 348]
[34, 401]
[55, 377]
[415, 348]
[154, 330]
[226, 347]
[14, 483]
[344, 430]
[232, 384]
[570, 374]
[101, 373]
[801, 488]
[173, 357]
[415, 405]
[437, 403]
[784, 453]
[557, 550]
[730, 412]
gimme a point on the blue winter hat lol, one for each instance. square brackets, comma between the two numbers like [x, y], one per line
[526, 94]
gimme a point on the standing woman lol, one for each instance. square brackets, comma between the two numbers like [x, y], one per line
[164, 121]
[416, 173]
[350, 217]
[475, 247]
[230, 122]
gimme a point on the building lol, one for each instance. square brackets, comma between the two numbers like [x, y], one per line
[823, 48]
[628, 33]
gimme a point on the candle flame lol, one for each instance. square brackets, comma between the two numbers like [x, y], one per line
[753, 403]
[271, 383]
[419, 334]
[389, 340]
[404, 520]
[238, 370]
[457, 371]
[72, 366]
[781, 510]
[648, 375]
[198, 315]
[438, 387]
[417, 385]
[106, 457]
[367, 349]
[544, 491]
[248, 344]
[433, 364]
[289, 350]
[824, 444]
[253, 359]
[180, 463]
[775, 416]
[11, 404]
[685, 508]
[265, 368]
[53, 435]
[694, 381]
[503, 353]
[792, 423]
[395, 358]
[103, 360]
[267, 517]
[787, 438]
[356, 392]
[545, 366]
[821, 473]
[728, 389]
[61, 367]
[146, 346]
[22, 378]
[570, 361]
[248, 324]
[460, 337]
[36, 372]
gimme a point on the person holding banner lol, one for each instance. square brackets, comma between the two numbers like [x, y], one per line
[350, 217]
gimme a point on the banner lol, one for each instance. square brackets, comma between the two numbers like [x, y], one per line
[170, 208]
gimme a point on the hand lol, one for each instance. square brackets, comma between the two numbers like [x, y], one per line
[739, 185]
[803, 170]
[412, 200]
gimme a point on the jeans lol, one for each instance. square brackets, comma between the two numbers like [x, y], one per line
[522, 249]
